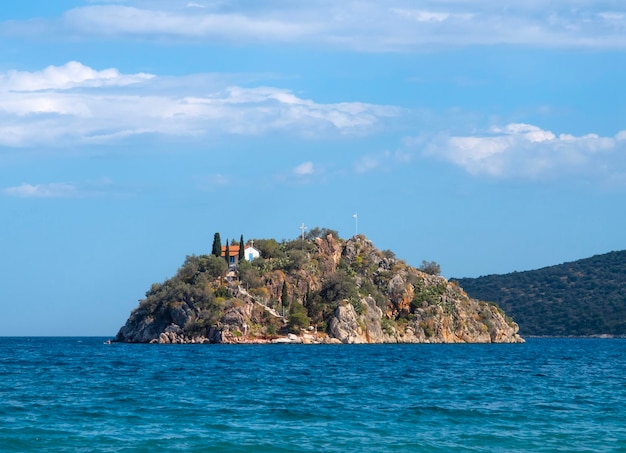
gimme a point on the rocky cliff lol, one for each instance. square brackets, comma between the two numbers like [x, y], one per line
[320, 290]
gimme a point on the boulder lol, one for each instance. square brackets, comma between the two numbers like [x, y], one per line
[344, 325]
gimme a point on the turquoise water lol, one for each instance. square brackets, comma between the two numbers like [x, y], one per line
[77, 394]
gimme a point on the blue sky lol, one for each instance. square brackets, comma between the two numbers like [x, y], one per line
[488, 137]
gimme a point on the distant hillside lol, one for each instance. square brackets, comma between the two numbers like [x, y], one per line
[581, 298]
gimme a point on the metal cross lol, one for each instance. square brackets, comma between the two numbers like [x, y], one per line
[302, 227]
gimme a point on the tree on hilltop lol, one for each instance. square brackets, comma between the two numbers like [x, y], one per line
[318, 232]
[214, 266]
[241, 250]
[217, 245]
[430, 267]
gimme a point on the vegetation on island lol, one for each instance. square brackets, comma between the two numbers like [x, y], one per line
[317, 286]
[580, 298]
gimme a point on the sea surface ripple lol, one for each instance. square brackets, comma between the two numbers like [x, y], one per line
[80, 395]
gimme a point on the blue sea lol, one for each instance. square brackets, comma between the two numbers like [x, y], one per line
[78, 394]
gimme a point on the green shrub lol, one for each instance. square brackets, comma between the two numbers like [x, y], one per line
[430, 267]
[427, 328]
[298, 318]
[387, 325]
[338, 287]
[223, 292]
[358, 305]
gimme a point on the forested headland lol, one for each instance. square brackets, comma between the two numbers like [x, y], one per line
[580, 298]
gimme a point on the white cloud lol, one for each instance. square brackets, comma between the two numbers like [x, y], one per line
[216, 182]
[527, 151]
[611, 16]
[422, 15]
[368, 25]
[118, 20]
[74, 104]
[52, 190]
[366, 163]
[305, 168]
[93, 188]
[384, 160]
[71, 75]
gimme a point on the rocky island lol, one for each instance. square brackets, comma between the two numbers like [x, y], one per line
[315, 289]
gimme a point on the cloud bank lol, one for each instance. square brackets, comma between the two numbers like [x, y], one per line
[71, 75]
[84, 189]
[75, 104]
[51, 190]
[525, 151]
[398, 25]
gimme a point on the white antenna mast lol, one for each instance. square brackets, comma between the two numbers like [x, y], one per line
[303, 228]
[356, 223]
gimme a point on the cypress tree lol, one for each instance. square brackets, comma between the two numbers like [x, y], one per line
[284, 297]
[217, 245]
[227, 254]
[241, 251]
